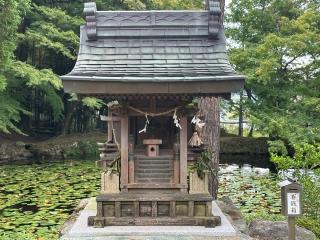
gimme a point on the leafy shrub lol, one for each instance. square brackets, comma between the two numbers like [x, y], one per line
[277, 147]
[311, 224]
[82, 150]
[202, 164]
[262, 215]
[305, 159]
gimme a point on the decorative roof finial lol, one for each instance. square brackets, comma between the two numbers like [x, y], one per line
[215, 12]
[89, 11]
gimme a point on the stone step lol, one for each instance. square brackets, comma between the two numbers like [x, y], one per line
[154, 162]
[153, 180]
[153, 171]
[152, 167]
[142, 167]
[153, 175]
[168, 157]
[154, 159]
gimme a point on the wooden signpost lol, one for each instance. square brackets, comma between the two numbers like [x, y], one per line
[291, 204]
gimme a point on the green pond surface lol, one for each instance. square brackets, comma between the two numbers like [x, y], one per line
[35, 200]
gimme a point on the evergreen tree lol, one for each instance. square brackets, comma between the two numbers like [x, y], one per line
[276, 45]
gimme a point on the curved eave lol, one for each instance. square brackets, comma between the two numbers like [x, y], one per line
[146, 79]
[198, 86]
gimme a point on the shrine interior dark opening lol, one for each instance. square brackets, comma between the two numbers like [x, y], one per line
[158, 128]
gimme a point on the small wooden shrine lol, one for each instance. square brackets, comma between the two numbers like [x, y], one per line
[150, 66]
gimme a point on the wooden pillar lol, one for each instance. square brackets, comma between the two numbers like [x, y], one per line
[124, 152]
[109, 127]
[292, 228]
[176, 164]
[183, 153]
[209, 110]
[131, 163]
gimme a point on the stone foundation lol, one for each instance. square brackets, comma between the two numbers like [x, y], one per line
[79, 230]
[170, 209]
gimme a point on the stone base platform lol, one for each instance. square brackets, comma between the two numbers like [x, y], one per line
[80, 230]
[158, 208]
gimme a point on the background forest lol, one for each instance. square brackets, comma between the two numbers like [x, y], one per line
[274, 43]
[39, 42]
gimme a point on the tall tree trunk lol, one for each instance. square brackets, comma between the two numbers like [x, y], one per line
[69, 110]
[240, 131]
[250, 134]
[209, 111]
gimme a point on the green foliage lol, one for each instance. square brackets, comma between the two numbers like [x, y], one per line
[203, 164]
[255, 195]
[276, 48]
[53, 33]
[47, 42]
[11, 12]
[58, 17]
[311, 201]
[306, 158]
[22, 76]
[277, 147]
[135, 5]
[34, 77]
[263, 215]
[82, 150]
[54, 190]
[93, 103]
[40, 198]
[10, 111]
[175, 4]
[311, 224]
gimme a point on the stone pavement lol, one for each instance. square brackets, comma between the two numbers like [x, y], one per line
[80, 231]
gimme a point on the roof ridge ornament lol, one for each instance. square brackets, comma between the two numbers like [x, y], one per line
[89, 11]
[215, 12]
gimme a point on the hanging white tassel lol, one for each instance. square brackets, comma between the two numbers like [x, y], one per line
[144, 130]
[176, 120]
[198, 122]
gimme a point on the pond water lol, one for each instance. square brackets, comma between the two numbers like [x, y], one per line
[36, 200]
[253, 190]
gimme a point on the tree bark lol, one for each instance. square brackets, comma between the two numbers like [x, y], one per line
[69, 110]
[240, 130]
[209, 111]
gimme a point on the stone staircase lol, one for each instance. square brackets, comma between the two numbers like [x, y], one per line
[154, 169]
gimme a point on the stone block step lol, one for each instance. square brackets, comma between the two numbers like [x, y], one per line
[153, 175]
[142, 171]
[142, 167]
[169, 157]
[153, 162]
[153, 180]
[154, 158]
